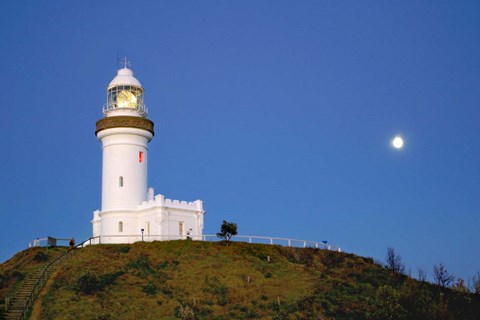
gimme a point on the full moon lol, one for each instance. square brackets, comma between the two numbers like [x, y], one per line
[397, 142]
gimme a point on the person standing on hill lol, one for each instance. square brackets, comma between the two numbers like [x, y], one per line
[72, 244]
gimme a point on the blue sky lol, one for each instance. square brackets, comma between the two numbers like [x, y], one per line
[278, 114]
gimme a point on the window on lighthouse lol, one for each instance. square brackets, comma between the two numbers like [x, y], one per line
[141, 157]
[120, 181]
[120, 226]
[181, 228]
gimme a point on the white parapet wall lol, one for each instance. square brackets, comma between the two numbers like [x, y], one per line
[156, 216]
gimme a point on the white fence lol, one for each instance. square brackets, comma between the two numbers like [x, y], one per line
[210, 237]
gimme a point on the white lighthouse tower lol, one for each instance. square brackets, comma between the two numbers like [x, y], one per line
[130, 211]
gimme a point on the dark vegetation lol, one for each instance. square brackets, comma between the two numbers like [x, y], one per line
[227, 230]
[211, 281]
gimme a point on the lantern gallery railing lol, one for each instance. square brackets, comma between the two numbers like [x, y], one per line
[210, 237]
[141, 109]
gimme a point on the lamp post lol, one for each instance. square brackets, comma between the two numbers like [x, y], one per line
[142, 233]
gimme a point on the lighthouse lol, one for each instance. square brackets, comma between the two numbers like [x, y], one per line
[130, 211]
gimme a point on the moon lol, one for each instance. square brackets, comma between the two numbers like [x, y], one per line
[397, 142]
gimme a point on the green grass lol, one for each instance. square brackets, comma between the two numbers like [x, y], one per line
[211, 280]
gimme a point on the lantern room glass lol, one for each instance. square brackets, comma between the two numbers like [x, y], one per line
[125, 97]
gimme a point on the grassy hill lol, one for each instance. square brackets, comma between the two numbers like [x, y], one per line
[210, 280]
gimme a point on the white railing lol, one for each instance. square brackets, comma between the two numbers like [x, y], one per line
[211, 237]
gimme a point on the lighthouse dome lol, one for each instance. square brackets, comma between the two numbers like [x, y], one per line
[124, 77]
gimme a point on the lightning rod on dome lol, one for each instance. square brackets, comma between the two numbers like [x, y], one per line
[123, 63]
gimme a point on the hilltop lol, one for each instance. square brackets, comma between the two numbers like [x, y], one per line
[212, 280]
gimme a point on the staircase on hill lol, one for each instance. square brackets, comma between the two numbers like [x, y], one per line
[19, 305]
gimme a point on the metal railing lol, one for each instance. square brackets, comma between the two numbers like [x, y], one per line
[211, 237]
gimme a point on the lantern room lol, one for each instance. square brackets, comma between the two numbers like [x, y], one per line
[125, 95]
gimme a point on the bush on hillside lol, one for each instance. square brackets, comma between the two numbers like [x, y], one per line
[142, 265]
[18, 275]
[150, 289]
[3, 280]
[89, 283]
[40, 257]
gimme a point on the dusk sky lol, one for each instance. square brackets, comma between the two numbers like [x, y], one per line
[279, 115]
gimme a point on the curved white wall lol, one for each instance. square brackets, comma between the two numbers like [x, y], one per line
[111, 232]
[121, 147]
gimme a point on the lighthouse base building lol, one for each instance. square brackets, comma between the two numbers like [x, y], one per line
[155, 219]
[130, 211]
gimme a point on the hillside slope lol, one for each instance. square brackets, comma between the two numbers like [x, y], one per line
[209, 280]
[22, 266]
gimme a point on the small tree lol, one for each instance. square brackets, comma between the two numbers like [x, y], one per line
[422, 275]
[460, 286]
[227, 230]
[387, 305]
[476, 283]
[394, 261]
[441, 275]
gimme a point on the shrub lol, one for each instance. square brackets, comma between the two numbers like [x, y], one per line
[254, 250]
[162, 265]
[3, 280]
[123, 249]
[18, 275]
[301, 256]
[143, 265]
[89, 283]
[150, 289]
[333, 259]
[109, 278]
[40, 257]
[387, 305]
